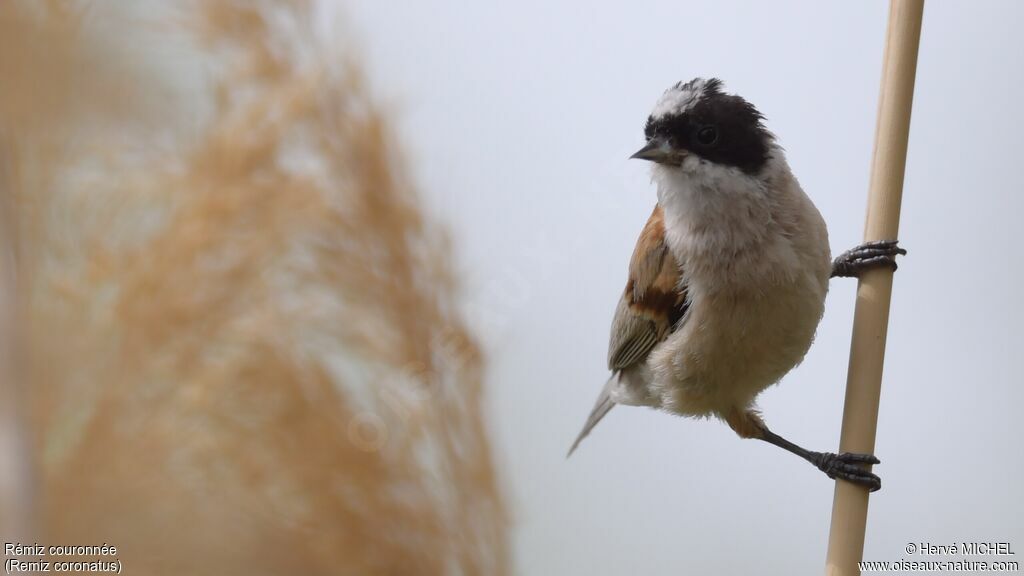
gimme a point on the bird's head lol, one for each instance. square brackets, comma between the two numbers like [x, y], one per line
[695, 123]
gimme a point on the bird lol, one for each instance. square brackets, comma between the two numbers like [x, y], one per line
[728, 279]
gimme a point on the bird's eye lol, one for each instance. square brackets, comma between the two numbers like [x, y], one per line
[707, 135]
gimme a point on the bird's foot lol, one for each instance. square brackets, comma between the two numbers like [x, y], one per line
[847, 466]
[854, 262]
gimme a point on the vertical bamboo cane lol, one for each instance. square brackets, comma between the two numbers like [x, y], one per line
[867, 351]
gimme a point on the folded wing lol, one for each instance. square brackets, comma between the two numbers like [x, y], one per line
[651, 307]
[653, 302]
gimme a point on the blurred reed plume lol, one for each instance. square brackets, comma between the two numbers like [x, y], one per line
[234, 327]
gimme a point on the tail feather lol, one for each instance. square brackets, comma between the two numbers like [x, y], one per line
[603, 405]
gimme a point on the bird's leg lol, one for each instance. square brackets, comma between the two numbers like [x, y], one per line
[852, 263]
[844, 466]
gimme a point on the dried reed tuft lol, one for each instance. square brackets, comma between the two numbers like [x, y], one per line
[239, 331]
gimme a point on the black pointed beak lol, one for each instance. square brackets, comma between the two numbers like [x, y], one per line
[660, 151]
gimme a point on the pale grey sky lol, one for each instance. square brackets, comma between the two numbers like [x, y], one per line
[518, 119]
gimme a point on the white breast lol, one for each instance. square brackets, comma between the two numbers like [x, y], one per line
[755, 258]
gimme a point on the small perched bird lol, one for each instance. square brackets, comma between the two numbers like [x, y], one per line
[728, 279]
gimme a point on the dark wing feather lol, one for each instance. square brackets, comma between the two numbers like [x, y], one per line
[654, 301]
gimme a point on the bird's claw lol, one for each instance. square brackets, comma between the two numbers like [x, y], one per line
[849, 467]
[868, 255]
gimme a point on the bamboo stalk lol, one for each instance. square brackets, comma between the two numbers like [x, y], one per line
[871, 319]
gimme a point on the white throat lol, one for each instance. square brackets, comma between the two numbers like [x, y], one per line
[716, 214]
[722, 206]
